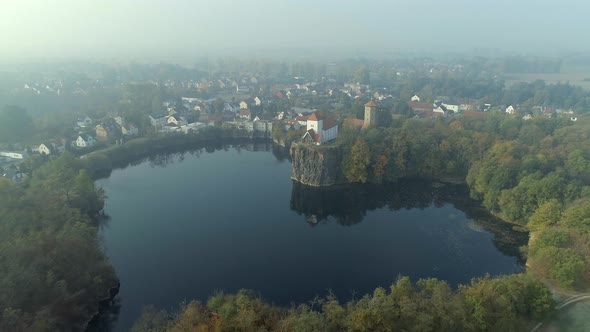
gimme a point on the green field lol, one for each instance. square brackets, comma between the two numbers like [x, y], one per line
[575, 75]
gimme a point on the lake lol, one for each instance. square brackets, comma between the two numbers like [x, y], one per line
[184, 225]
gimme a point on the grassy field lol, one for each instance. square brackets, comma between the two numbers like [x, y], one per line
[575, 75]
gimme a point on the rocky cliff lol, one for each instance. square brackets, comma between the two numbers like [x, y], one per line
[318, 166]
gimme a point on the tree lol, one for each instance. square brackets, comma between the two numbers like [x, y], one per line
[358, 161]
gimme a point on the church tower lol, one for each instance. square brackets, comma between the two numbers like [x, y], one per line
[370, 114]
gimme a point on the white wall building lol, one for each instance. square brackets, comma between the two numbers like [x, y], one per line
[320, 130]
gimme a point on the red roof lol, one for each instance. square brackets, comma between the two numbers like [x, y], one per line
[244, 111]
[427, 114]
[301, 118]
[371, 104]
[313, 117]
[475, 114]
[417, 106]
[355, 122]
[329, 123]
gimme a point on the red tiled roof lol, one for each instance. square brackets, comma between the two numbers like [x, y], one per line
[474, 114]
[301, 118]
[313, 117]
[355, 122]
[371, 104]
[427, 114]
[244, 111]
[417, 106]
[329, 123]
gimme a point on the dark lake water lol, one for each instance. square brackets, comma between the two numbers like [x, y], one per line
[185, 225]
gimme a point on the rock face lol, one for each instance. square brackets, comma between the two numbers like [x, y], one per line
[317, 166]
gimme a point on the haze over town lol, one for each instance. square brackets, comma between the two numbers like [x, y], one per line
[157, 29]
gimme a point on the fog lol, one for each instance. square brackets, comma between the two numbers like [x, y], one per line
[185, 28]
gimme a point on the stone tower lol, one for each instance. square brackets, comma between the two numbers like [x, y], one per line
[370, 114]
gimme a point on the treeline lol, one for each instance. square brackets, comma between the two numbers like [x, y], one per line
[52, 271]
[525, 172]
[511, 303]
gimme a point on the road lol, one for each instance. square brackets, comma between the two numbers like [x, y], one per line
[564, 304]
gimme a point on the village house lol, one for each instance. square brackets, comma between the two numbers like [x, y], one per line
[243, 104]
[109, 129]
[509, 109]
[415, 98]
[418, 107]
[320, 130]
[84, 141]
[13, 155]
[176, 120]
[257, 101]
[245, 114]
[51, 147]
[158, 120]
[452, 107]
[129, 130]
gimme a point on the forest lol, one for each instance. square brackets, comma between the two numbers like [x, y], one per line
[504, 304]
[533, 173]
[53, 272]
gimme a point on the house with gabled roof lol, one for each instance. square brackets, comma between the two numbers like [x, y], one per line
[108, 129]
[84, 141]
[51, 147]
[245, 114]
[320, 130]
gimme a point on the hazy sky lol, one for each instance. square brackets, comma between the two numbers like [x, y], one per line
[158, 28]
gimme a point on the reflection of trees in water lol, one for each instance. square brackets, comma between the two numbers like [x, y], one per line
[348, 205]
[173, 155]
[281, 153]
[107, 318]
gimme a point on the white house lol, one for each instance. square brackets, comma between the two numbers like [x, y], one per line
[242, 88]
[452, 107]
[440, 109]
[415, 98]
[243, 105]
[573, 118]
[320, 130]
[280, 116]
[177, 120]
[158, 119]
[509, 109]
[257, 101]
[13, 155]
[51, 147]
[527, 116]
[85, 141]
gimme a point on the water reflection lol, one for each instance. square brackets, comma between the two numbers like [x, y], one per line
[347, 205]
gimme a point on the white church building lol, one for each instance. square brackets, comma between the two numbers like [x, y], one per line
[320, 130]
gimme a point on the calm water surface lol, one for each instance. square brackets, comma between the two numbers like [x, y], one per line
[185, 225]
